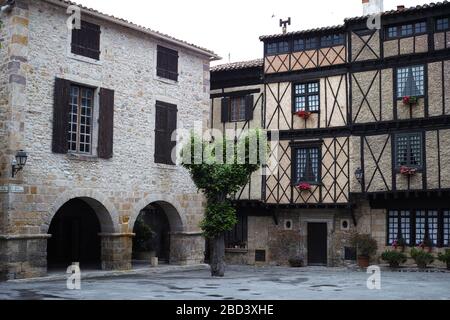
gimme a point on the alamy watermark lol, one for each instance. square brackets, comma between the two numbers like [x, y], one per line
[74, 279]
[374, 280]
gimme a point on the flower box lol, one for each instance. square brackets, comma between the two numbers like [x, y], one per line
[304, 186]
[406, 171]
[304, 114]
[410, 101]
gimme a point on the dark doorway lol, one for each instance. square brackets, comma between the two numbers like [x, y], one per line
[317, 244]
[75, 238]
[154, 219]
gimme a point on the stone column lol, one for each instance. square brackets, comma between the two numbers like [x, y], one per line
[187, 248]
[23, 256]
[116, 250]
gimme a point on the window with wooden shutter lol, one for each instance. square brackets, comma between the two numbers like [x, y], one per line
[237, 109]
[225, 109]
[86, 40]
[60, 116]
[167, 63]
[106, 124]
[165, 125]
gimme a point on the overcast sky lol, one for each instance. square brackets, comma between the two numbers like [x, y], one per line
[231, 28]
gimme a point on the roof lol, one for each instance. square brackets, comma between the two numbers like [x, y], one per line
[301, 32]
[128, 24]
[415, 9]
[257, 63]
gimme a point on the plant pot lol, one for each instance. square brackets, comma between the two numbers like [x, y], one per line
[394, 265]
[363, 261]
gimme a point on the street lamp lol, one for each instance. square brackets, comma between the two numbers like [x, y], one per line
[359, 174]
[19, 162]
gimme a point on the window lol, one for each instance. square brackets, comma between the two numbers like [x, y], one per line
[410, 81]
[427, 226]
[306, 165]
[446, 229]
[238, 109]
[306, 97]
[316, 42]
[311, 43]
[399, 226]
[277, 47]
[167, 63]
[406, 30]
[165, 125]
[86, 40]
[416, 226]
[332, 40]
[442, 24]
[237, 238]
[299, 44]
[80, 119]
[408, 150]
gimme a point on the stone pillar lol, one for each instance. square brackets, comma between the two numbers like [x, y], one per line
[187, 248]
[23, 256]
[117, 250]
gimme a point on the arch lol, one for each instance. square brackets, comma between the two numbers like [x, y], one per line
[106, 212]
[169, 204]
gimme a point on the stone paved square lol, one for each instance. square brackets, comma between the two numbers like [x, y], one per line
[242, 282]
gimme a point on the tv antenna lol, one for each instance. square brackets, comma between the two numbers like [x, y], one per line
[284, 24]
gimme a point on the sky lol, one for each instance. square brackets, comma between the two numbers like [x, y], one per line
[231, 28]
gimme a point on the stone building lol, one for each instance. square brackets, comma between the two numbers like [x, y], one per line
[363, 121]
[94, 109]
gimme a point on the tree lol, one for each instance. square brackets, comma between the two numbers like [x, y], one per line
[220, 169]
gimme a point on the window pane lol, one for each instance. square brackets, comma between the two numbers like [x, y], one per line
[442, 24]
[313, 87]
[300, 89]
[307, 165]
[407, 30]
[392, 32]
[299, 45]
[300, 104]
[405, 225]
[415, 142]
[410, 81]
[420, 27]
[326, 41]
[393, 226]
[283, 47]
[313, 103]
[238, 109]
[433, 219]
[307, 97]
[311, 43]
[420, 226]
[446, 228]
[272, 48]
[402, 150]
[409, 150]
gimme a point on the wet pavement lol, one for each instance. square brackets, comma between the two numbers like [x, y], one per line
[240, 282]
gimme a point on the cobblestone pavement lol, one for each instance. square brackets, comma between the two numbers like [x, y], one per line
[241, 282]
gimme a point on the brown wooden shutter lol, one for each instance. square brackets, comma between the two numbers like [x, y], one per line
[161, 133]
[165, 125]
[61, 110]
[86, 41]
[106, 124]
[167, 63]
[225, 109]
[249, 107]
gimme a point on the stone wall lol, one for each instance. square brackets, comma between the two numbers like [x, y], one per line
[37, 40]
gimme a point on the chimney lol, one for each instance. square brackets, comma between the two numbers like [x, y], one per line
[371, 7]
[400, 7]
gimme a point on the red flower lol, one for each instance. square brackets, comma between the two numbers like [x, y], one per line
[395, 244]
[408, 171]
[410, 101]
[304, 186]
[406, 100]
[303, 114]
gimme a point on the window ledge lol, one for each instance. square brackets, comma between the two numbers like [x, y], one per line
[82, 157]
[73, 56]
[236, 250]
[166, 81]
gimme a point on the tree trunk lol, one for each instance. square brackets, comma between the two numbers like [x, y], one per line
[217, 259]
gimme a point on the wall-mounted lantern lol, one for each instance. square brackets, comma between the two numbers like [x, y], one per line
[19, 162]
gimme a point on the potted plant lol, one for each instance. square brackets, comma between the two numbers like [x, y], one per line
[304, 114]
[366, 246]
[410, 101]
[400, 243]
[445, 257]
[142, 242]
[304, 186]
[422, 258]
[394, 258]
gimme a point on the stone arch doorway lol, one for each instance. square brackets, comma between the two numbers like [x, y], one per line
[75, 234]
[154, 227]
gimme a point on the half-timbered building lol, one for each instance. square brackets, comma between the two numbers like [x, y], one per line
[363, 119]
